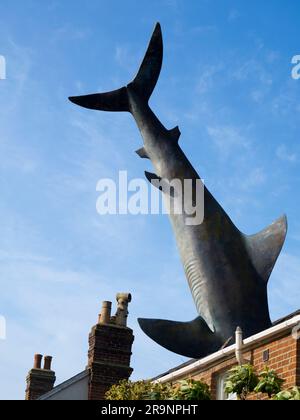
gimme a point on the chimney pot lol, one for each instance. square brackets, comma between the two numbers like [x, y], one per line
[123, 300]
[105, 315]
[47, 362]
[37, 361]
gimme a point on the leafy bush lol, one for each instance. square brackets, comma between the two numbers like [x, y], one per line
[145, 390]
[127, 390]
[191, 390]
[241, 381]
[159, 391]
[288, 395]
[269, 382]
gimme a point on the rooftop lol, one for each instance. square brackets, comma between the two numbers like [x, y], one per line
[191, 363]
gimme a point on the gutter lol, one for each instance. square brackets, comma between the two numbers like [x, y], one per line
[230, 351]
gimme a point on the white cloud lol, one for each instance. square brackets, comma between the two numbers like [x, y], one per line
[284, 154]
[272, 56]
[252, 69]
[127, 59]
[257, 95]
[68, 32]
[204, 29]
[228, 139]
[121, 55]
[17, 158]
[207, 78]
[256, 178]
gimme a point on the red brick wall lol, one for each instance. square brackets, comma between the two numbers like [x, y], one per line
[39, 382]
[284, 358]
[298, 364]
[108, 358]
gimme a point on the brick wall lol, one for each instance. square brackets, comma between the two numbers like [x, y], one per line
[108, 358]
[284, 358]
[298, 364]
[39, 381]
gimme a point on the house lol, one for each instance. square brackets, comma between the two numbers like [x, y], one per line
[110, 343]
[277, 347]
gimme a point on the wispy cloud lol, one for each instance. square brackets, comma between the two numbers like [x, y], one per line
[122, 55]
[206, 79]
[228, 138]
[256, 178]
[68, 32]
[126, 58]
[252, 69]
[284, 154]
[204, 29]
[17, 158]
[272, 56]
[233, 15]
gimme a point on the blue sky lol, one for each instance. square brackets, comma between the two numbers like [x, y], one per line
[226, 81]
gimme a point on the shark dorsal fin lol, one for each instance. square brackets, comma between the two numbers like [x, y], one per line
[264, 247]
[175, 133]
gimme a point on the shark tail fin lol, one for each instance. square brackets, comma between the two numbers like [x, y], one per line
[149, 71]
[143, 83]
[191, 339]
[116, 100]
[265, 247]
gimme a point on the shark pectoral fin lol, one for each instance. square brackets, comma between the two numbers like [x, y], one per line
[160, 183]
[153, 179]
[142, 153]
[175, 133]
[191, 339]
[265, 247]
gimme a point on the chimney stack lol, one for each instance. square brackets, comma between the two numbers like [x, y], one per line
[39, 381]
[110, 343]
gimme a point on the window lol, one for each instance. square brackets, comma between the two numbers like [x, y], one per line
[221, 394]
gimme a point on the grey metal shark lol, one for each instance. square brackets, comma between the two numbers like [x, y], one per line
[227, 271]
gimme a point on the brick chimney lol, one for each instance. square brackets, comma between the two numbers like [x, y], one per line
[110, 343]
[39, 381]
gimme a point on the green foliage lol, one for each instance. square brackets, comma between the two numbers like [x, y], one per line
[127, 390]
[145, 390]
[159, 391]
[241, 381]
[292, 394]
[269, 382]
[191, 390]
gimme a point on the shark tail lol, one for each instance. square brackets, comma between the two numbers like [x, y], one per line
[143, 84]
[191, 339]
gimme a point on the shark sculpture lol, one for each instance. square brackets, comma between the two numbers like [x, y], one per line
[226, 270]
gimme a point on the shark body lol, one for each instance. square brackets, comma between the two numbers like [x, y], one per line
[227, 271]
